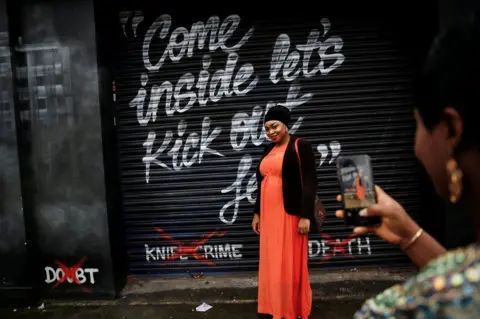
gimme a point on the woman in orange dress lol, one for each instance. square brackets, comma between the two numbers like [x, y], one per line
[359, 187]
[282, 217]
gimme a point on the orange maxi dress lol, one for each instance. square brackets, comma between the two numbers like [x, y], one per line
[283, 282]
[359, 188]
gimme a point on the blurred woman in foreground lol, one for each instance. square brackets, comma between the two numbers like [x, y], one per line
[448, 145]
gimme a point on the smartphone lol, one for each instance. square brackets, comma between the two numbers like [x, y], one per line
[357, 187]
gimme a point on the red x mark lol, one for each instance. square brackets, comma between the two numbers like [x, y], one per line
[190, 249]
[70, 274]
[337, 246]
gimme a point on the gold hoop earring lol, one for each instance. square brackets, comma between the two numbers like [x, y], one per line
[455, 180]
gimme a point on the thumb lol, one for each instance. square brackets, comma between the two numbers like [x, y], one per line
[380, 192]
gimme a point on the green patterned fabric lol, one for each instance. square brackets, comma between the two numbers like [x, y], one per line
[447, 288]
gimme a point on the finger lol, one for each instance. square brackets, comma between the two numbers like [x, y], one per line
[379, 190]
[374, 210]
[364, 230]
[340, 214]
[339, 198]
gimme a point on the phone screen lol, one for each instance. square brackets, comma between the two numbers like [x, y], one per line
[357, 187]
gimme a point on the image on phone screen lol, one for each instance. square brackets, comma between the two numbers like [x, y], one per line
[357, 187]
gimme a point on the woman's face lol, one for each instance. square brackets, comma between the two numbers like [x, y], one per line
[432, 148]
[276, 131]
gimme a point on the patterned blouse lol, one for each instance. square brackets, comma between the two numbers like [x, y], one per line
[447, 288]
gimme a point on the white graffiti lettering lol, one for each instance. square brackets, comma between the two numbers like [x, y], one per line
[188, 90]
[323, 149]
[212, 87]
[236, 186]
[181, 159]
[221, 251]
[321, 248]
[156, 94]
[58, 275]
[287, 62]
[183, 41]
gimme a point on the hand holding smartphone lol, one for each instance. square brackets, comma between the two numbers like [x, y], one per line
[357, 188]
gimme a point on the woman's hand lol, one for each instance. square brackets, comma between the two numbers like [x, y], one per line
[397, 227]
[256, 224]
[304, 226]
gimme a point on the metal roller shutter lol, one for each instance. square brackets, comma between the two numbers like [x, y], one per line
[187, 171]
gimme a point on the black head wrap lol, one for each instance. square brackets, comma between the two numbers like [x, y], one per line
[278, 113]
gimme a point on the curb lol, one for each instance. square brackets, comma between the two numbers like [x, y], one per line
[329, 286]
[139, 303]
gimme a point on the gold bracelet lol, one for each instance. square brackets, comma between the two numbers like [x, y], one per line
[414, 239]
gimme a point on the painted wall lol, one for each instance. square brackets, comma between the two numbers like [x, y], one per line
[14, 277]
[62, 151]
[59, 107]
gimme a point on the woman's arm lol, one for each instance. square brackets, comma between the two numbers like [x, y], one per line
[423, 250]
[398, 228]
[309, 178]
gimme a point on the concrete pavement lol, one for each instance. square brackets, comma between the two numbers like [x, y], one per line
[337, 294]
